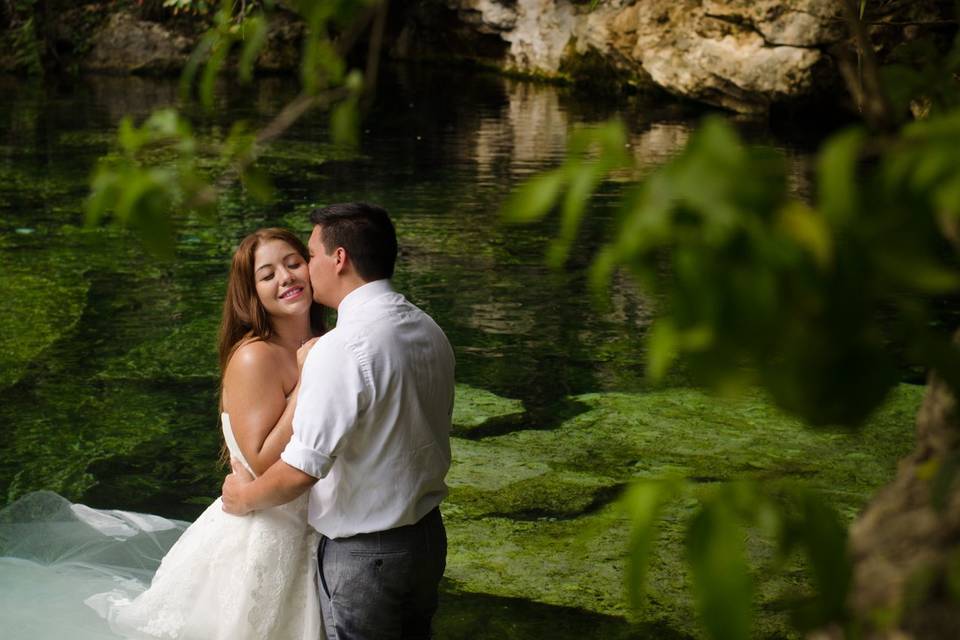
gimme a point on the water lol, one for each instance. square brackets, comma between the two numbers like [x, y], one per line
[108, 364]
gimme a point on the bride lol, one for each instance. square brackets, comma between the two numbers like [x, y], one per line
[245, 578]
[251, 577]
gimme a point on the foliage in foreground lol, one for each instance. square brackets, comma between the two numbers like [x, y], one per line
[758, 287]
[161, 170]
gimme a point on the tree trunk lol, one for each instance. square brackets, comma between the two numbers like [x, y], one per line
[905, 550]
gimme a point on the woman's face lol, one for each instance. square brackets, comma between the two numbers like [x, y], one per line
[282, 279]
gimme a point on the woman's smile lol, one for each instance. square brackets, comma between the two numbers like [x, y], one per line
[292, 293]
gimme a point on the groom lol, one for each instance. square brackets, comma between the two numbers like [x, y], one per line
[370, 437]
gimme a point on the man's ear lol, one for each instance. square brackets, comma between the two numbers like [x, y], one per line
[341, 259]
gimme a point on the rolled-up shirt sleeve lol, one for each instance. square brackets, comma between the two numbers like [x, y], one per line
[333, 393]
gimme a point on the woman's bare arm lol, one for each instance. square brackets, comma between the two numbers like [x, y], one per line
[260, 413]
[275, 442]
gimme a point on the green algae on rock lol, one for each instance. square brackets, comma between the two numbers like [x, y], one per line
[185, 352]
[545, 527]
[38, 309]
[473, 408]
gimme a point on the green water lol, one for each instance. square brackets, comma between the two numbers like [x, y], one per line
[108, 366]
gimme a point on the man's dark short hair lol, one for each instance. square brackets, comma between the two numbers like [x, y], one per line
[365, 231]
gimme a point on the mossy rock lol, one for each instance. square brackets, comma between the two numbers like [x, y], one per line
[532, 514]
[186, 352]
[37, 310]
[475, 408]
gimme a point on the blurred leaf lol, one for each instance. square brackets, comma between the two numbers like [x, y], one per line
[240, 143]
[920, 273]
[837, 177]
[643, 502]
[103, 191]
[200, 53]
[824, 540]
[258, 183]
[582, 181]
[254, 37]
[722, 583]
[662, 348]
[808, 229]
[345, 123]
[947, 197]
[535, 197]
[127, 135]
[218, 57]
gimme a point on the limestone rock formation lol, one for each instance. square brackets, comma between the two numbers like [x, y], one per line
[739, 54]
[126, 44]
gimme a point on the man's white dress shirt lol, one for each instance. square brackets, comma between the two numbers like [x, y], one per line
[373, 415]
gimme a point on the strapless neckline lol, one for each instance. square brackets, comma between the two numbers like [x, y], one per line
[232, 444]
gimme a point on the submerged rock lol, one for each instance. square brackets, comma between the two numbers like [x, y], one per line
[533, 514]
[40, 309]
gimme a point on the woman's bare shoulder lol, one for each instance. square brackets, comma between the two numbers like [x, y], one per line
[252, 357]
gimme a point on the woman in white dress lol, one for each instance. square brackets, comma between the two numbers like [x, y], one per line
[251, 577]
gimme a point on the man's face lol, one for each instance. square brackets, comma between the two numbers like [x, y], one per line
[322, 268]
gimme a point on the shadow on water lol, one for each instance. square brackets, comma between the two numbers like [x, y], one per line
[472, 616]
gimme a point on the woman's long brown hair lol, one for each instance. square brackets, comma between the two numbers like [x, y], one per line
[244, 317]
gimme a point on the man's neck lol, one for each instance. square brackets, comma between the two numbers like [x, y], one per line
[347, 286]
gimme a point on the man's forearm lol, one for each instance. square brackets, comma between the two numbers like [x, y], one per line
[279, 485]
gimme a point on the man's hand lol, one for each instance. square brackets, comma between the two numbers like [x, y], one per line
[233, 489]
[304, 350]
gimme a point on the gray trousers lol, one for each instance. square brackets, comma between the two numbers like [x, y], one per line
[383, 586]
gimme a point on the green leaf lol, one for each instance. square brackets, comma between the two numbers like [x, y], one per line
[721, 580]
[825, 543]
[103, 192]
[165, 123]
[128, 136]
[805, 227]
[534, 198]
[583, 179]
[254, 37]
[837, 177]
[345, 123]
[218, 57]
[258, 183]
[200, 53]
[662, 348]
[601, 271]
[643, 502]
[919, 273]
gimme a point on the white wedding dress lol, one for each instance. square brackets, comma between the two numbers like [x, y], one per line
[251, 577]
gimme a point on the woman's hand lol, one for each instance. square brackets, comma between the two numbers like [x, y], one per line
[303, 351]
[233, 487]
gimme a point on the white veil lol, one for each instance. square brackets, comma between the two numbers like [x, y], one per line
[55, 554]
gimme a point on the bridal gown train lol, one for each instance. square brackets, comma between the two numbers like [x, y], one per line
[240, 578]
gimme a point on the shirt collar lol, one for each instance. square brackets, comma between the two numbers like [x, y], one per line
[354, 300]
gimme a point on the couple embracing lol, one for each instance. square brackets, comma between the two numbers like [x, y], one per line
[329, 525]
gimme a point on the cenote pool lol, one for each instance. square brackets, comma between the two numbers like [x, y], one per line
[108, 365]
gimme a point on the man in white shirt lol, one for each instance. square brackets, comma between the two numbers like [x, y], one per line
[370, 437]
